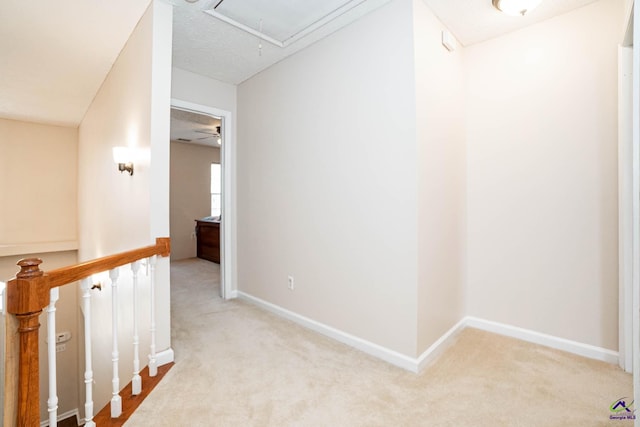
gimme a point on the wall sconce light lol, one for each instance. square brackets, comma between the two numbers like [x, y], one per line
[516, 7]
[122, 157]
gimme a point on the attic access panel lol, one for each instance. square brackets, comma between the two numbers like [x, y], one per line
[281, 22]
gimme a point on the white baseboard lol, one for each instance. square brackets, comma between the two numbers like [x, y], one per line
[437, 348]
[165, 356]
[64, 416]
[233, 294]
[375, 350]
[585, 350]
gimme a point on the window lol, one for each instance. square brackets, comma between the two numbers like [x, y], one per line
[216, 190]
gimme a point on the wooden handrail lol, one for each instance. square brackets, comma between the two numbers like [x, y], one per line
[27, 296]
[62, 276]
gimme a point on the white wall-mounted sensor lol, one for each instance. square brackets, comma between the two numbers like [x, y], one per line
[448, 41]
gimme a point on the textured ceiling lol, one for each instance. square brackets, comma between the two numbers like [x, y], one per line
[474, 21]
[194, 128]
[208, 46]
[280, 19]
[54, 55]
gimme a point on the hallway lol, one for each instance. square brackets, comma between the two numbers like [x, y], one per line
[237, 365]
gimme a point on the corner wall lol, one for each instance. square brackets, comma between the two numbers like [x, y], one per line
[119, 212]
[440, 121]
[542, 176]
[327, 181]
[512, 216]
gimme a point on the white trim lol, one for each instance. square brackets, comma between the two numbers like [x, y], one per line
[64, 416]
[165, 356]
[38, 247]
[627, 29]
[345, 8]
[437, 348]
[227, 261]
[585, 350]
[375, 350]
[636, 210]
[625, 207]
[244, 28]
[3, 305]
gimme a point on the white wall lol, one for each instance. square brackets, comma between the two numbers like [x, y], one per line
[190, 193]
[160, 112]
[191, 87]
[510, 188]
[119, 212]
[327, 182]
[542, 176]
[440, 124]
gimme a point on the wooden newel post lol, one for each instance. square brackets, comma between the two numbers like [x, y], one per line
[27, 296]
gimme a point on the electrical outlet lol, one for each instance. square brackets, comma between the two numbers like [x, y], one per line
[63, 337]
[60, 347]
[290, 284]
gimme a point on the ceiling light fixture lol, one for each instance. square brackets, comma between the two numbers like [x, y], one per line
[516, 7]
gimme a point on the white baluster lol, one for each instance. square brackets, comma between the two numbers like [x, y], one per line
[52, 402]
[88, 370]
[136, 381]
[153, 364]
[116, 401]
[3, 304]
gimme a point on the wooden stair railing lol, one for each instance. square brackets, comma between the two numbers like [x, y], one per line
[27, 295]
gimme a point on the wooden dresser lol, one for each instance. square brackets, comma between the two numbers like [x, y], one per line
[208, 235]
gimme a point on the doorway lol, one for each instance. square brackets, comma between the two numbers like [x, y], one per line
[210, 135]
[629, 203]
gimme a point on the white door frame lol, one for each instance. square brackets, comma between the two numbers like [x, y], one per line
[635, 17]
[632, 38]
[625, 207]
[227, 224]
[629, 199]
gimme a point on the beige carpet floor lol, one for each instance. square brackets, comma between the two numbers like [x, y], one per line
[237, 365]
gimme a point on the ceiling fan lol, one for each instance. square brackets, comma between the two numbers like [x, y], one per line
[210, 134]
